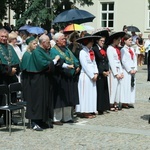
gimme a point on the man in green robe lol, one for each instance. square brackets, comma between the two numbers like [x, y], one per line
[40, 93]
[9, 65]
[66, 79]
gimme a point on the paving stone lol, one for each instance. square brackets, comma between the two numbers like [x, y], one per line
[127, 129]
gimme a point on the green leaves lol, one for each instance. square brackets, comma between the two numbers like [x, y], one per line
[3, 10]
[36, 10]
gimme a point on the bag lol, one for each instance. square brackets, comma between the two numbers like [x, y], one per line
[142, 49]
[132, 81]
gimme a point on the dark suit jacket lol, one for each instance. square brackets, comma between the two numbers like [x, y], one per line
[102, 61]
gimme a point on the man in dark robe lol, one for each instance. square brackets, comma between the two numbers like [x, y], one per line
[9, 66]
[40, 93]
[65, 78]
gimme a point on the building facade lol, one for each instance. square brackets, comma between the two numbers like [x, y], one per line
[114, 14]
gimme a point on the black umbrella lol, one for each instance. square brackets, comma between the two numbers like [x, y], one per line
[133, 29]
[74, 16]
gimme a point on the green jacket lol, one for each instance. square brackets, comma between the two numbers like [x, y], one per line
[8, 55]
[67, 56]
[25, 60]
[39, 60]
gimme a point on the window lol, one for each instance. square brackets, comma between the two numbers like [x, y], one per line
[148, 18]
[107, 15]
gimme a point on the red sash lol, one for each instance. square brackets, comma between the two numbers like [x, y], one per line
[118, 52]
[131, 53]
[92, 56]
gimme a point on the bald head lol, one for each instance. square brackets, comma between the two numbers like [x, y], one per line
[44, 42]
[42, 38]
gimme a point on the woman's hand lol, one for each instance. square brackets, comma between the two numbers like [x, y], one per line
[77, 70]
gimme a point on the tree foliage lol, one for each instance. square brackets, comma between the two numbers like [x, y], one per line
[37, 11]
[3, 10]
[18, 6]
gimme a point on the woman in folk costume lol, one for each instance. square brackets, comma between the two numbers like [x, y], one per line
[129, 62]
[87, 79]
[116, 72]
[103, 103]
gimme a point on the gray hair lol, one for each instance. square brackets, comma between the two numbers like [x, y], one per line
[42, 38]
[57, 36]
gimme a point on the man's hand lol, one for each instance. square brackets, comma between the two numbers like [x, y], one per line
[13, 71]
[70, 66]
[57, 57]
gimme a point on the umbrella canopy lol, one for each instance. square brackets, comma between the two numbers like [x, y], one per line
[133, 29]
[36, 30]
[74, 16]
[74, 27]
[88, 27]
[25, 27]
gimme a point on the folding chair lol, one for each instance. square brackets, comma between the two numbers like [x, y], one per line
[15, 88]
[8, 107]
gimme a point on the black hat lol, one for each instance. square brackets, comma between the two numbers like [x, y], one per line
[86, 38]
[103, 33]
[115, 36]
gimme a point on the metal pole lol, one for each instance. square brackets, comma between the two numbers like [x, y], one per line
[51, 13]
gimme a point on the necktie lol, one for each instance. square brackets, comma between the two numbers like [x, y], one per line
[103, 52]
[131, 53]
[92, 56]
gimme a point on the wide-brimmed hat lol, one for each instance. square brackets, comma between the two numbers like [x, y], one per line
[86, 38]
[102, 33]
[115, 36]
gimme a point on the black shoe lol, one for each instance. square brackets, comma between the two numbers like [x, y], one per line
[37, 128]
[130, 106]
[58, 123]
[45, 125]
[100, 113]
[70, 121]
[107, 111]
[51, 125]
[125, 106]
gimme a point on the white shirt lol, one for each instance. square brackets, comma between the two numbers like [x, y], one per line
[147, 45]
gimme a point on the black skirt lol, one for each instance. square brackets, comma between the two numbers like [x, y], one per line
[103, 103]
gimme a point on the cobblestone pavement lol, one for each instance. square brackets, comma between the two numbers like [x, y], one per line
[123, 130]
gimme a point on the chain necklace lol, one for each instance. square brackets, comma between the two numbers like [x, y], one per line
[63, 54]
[7, 58]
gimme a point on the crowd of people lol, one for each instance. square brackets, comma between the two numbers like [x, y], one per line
[65, 73]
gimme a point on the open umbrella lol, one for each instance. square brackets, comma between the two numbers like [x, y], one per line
[133, 29]
[88, 27]
[74, 16]
[74, 27]
[25, 27]
[36, 30]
